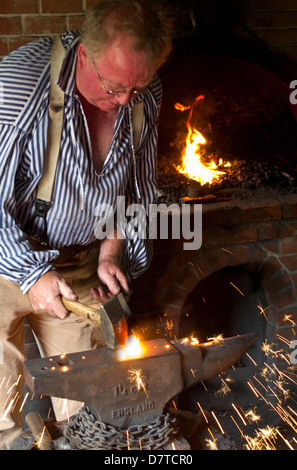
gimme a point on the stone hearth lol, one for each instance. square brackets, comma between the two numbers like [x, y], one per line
[258, 234]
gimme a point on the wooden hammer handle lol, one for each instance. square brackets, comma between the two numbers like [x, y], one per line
[83, 310]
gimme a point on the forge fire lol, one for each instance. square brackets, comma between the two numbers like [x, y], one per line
[192, 165]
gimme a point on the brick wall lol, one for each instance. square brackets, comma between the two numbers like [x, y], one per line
[22, 21]
[272, 21]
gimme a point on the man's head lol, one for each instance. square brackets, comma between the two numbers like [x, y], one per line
[144, 21]
[123, 44]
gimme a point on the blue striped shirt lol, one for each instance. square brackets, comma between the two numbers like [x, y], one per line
[78, 190]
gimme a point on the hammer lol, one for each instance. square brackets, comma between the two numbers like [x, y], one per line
[111, 315]
[133, 391]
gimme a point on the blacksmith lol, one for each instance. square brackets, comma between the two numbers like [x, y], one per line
[107, 69]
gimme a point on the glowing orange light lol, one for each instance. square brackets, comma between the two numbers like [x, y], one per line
[192, 165]
[132, 349]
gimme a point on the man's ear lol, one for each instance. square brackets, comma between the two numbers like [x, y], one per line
[81, 56]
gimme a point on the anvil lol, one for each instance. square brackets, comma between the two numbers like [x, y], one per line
[133, 391]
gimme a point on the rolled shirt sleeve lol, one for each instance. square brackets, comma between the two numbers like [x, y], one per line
[18, 261]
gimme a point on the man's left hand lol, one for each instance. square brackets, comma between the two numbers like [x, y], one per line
[109, 270]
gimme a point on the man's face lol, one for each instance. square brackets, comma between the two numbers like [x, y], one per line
[118, 68]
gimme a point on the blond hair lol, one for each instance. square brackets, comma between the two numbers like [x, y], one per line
[146, 22]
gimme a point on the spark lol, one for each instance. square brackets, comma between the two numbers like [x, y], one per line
[218, 423]
[193, 372]
[224, 249]
[293, 411]
[237, 288]
[279, 384]
[285, 440]
[239, 414]
[41, 437]
[253, 388]
[286, 417]
[201, 409]
[8, 380]
[262, 311]
[136, 376]
[24, 401]
[169, 324]
[251, 414]
[251, 359]
[16, 399]
[3, 380]
[265, 439]
[284, 340]
[289, 319]
[211, 443]
[264, 373]
[223, 390]
[216, 339]
[267, 349]
[8, 408]
[236, 425]
[15, 384]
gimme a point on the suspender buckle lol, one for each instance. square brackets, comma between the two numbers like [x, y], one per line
[41, 210]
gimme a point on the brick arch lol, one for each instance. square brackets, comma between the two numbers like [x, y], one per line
[277, 279]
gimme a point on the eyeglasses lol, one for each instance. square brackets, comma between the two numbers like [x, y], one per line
[134, 92]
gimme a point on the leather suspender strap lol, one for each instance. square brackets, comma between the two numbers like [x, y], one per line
[56, 115]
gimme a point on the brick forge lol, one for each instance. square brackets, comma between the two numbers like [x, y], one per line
[258, 235]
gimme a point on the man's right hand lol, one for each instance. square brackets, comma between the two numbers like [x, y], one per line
[45, 295]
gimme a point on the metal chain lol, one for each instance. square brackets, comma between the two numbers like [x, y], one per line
[86, 432]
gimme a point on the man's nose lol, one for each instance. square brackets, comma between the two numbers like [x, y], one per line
[124, 98]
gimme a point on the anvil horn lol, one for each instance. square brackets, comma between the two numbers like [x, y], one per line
[109, 385]
[216, 357]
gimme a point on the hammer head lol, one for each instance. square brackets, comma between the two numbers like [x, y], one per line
[114, 314]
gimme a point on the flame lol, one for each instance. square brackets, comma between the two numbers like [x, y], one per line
[191, 165]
